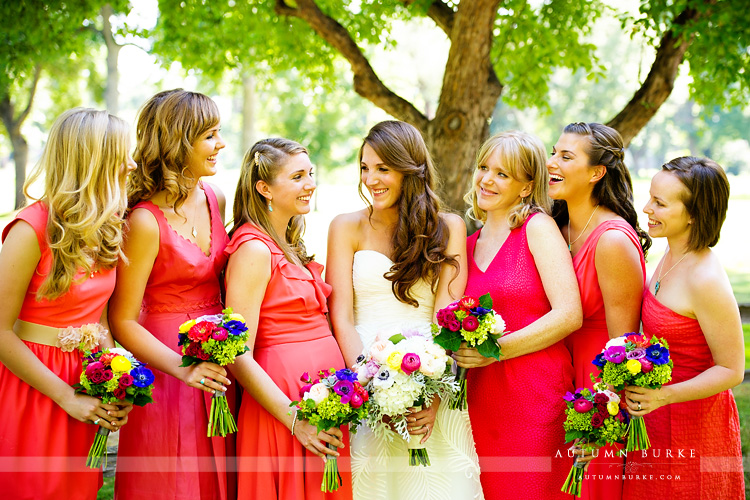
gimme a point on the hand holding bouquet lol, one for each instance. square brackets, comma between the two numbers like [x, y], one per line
[631, 359]
[332, 400]
[114, 376]
[216, 338]
[595, 419]
[407, 370]
[472, 321]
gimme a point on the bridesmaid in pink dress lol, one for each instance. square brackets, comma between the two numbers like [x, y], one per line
[516, 405]
[55, 281]
[692, 422]
[594, 210]
[175, 251]
[278, 288]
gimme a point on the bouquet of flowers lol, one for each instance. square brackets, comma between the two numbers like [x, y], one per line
[333, 399]
[596, 419]
[632, 359]
[216, 338]
[473, 321]
[113, 375]
[405, 371]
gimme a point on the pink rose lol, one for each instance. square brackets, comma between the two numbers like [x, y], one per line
[126, 380]
[305, 388]
[470, 323]
[646, 365]
[583, 405]
[453, 306]
[356, 400]
[454, 325]
[410, 363]
[220, 334]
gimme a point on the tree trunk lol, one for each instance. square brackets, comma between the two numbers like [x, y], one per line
[19, 145]
[249, 133]
[111, 92]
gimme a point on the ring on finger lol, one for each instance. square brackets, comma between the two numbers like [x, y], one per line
[203, 381]
[96, 422]
[639, 406]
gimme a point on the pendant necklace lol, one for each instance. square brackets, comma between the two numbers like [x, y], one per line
[193, 230]
[661, 277]
[570, 244]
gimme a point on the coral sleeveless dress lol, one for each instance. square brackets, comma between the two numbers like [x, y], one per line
[164, 452]
[42, 449]
[695, 446]
[604, 474]
[516, 406]
[293, 337]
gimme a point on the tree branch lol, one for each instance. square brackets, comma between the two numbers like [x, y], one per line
[660, 80]
[366, 82]
[441, 13]
[32, 93]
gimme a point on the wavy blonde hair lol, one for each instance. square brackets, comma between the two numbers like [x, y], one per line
[168, 125]
[84, 168]
[526, 159]
[262, 163]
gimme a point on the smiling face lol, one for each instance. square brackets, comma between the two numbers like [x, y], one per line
[570, 172]
[382, 181]
[667, 215]
[292, 188]
[202, 160]
[495, 186]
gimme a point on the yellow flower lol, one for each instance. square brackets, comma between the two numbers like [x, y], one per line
[121, 364]
[633, 366]
[187, 325]
[613, 407]
[236, 317]
[394, 360]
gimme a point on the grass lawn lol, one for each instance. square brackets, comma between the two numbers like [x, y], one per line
[746, 332]
[742, 396]
[107, 491]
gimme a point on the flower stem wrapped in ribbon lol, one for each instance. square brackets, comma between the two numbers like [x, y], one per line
[407, 370]
[595, 419]
[216, 338]
[114, 376]
[334, 399]
[472, 321]
[632, 359]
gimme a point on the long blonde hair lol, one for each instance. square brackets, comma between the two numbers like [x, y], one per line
[168, 125]
[262, 163]
[526, 160]
[84, 168]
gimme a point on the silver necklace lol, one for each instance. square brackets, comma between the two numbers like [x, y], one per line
[661, 277]
[570, 244]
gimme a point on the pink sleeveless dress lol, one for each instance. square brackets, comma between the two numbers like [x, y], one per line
[293, 337]
[164, 452]
[42, 449]
[516, 406]
[604, 474]
[695, 446]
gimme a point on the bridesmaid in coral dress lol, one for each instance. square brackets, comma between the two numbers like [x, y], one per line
[278, 288]
[58, 266]
[175, 249]
[692, 422]
[519, 257]
[594, 209]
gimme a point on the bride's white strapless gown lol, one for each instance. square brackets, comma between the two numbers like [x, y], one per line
[380, 469]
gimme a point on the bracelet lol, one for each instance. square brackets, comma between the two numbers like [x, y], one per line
[294, 421]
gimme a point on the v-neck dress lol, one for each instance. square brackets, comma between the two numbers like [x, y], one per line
[164, 452]
[516, 406]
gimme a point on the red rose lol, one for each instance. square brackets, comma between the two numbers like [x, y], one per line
[200, 332]
[597, 420]
[602, 408]
[203, 355]
[470, 323]
[454, 325]
[126, 380]
[108, 375]
[600, 398]
[119, 393]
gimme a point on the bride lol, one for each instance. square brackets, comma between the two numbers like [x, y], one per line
[392, 265]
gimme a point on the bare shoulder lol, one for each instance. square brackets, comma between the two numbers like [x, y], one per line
[220, 197]
[454, 222]
[541, 225]
[615, 244]
[254, 249]
[706, 277]
[349, 224]
[142, 222]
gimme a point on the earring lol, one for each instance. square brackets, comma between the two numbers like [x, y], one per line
[270, 208]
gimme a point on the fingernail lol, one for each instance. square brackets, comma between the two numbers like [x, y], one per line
[224, 389]
[109, 412]
[213, 391]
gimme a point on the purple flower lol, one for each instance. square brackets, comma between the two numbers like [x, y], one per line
[657, 354]
[344, 388]
[569, 396]
[636, 353]
[235, 327]
[599, 360]
[142, 376]
[371, 368]
[346, 374]
[583, 405]
[479, 311]
[410, 363]
[615, 354]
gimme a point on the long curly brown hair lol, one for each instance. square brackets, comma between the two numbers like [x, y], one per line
[420, 238]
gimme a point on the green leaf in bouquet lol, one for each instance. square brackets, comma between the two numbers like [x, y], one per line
[489, 348]
[142, 399]
[572, 435]
[485, 301]
[448, 339]
[190, 361]
[397, 338]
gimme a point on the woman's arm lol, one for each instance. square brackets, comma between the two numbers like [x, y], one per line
[248, 274]
[342, 243]
[555, 267]
[714, 306]
[221, 200]
[19, 257]
[452, 281]
[618, 267]
[141, 248]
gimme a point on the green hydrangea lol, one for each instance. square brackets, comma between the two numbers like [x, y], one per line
[331, 408]
[660, 375]
[223, 353]
[460, 314]
[616, 375]
[612, 430]
[578, 421]
[479, 335]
